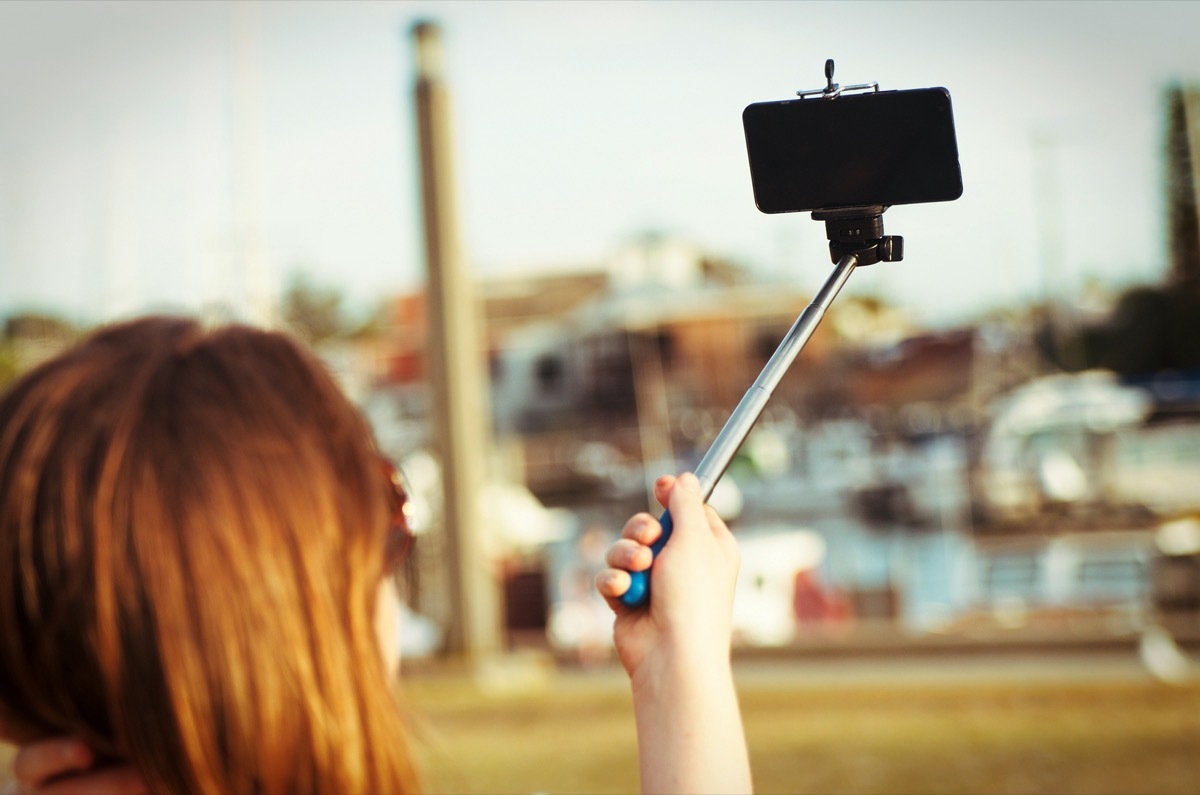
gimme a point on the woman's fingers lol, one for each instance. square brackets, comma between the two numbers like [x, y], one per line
[642, 528]
[612, 584]
[629, 555]
[41, 761]
[662, 489]
[687, 509]
[632, 553]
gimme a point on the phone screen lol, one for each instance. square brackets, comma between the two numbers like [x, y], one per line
[888, 147]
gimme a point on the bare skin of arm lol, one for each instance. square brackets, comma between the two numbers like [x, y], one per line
[677, 651]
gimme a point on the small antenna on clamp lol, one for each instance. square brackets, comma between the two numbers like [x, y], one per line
[832, 90]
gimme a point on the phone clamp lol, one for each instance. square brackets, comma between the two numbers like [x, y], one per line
[859, 231]
[832, 90]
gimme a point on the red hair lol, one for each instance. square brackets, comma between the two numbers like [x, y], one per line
[192, 536]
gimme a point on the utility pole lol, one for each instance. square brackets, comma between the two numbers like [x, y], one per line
[1183, 187]
[456, 368]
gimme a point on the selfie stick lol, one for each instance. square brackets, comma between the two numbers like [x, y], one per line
[855, 238]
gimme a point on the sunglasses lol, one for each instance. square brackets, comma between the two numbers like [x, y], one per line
[402, 526]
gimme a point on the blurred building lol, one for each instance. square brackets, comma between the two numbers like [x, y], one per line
[595, 372]
[1045, 489]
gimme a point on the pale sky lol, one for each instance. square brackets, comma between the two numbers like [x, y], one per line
[146, 147]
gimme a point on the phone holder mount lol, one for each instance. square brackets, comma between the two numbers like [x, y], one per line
[854, 230]
[832, 90]
[859, 231]
[855, 238]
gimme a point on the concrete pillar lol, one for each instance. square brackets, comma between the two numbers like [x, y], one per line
[457, 380]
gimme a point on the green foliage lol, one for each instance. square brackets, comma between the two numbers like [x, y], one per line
[313, 312]
[1150, 329]
[1154, 329]
[8, 364]
[28, 337]
[36, 325]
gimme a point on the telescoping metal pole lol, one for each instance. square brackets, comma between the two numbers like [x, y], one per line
[738, 426]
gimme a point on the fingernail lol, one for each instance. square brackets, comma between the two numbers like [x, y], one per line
[608, 580]
[688, 481]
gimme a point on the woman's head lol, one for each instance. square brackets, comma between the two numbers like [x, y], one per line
[192, 539]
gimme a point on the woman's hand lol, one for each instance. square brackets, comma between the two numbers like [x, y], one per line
[676, 650]
[691, 605]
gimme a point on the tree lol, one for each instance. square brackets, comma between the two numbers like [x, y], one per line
[312, 312]
[1151, 329]
[27, 338]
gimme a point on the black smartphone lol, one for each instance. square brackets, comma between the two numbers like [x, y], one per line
[883, 147]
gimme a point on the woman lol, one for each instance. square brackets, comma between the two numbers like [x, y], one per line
[196, 533]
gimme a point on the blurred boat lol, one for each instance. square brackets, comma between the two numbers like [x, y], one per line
[1086, 446]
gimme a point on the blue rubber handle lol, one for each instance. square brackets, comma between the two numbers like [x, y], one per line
[638, 594]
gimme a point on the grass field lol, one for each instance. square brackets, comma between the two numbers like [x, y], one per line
[574, 734]
[1120, 737]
